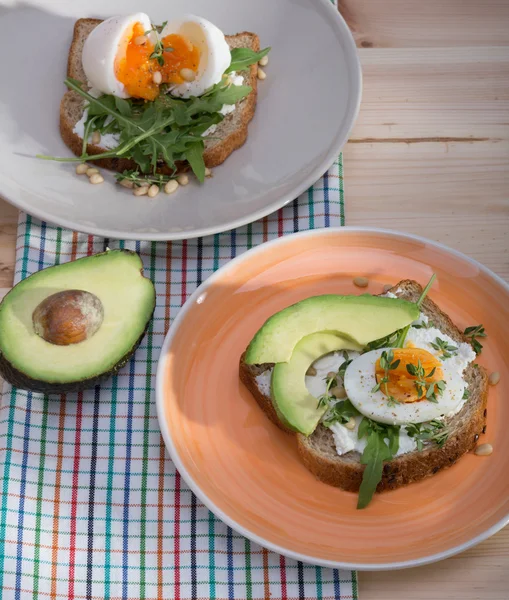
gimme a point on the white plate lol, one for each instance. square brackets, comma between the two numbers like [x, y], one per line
[306, 109]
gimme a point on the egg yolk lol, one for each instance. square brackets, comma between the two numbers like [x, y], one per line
[136, 65]
[179, 54]
[401, 384]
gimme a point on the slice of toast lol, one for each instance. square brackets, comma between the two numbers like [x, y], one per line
[230, 134]
[318, 451]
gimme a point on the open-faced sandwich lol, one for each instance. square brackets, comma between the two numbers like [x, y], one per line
[381, 391]
[150, 101]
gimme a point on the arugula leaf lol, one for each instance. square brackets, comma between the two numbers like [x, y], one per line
[194, 156]
[373, 457]
[123, 107]
[244, 57]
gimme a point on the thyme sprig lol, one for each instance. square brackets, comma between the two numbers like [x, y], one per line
[428, 389]
[447, 350]
[387, 363]
[474, 332]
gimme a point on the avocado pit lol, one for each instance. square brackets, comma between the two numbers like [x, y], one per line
[68, 317]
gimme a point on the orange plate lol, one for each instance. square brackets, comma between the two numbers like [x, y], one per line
[248, 472]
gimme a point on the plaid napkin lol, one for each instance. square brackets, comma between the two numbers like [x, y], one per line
[91, 505]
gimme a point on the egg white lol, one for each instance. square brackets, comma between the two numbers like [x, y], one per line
[360, 380]
[101, 49]
[215, 55]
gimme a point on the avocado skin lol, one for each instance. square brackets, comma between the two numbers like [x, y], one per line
[20, 380]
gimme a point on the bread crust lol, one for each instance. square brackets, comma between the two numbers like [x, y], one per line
[212, 156]
[346, 471]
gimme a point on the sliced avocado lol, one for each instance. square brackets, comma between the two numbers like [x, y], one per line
[361, 318]
[67, 327]
[294, 405]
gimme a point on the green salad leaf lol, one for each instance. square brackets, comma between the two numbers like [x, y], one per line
[382, 444]
[245, 57]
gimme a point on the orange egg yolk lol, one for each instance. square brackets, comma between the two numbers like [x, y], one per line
[135, 68]
[183, 55]
[401, 384]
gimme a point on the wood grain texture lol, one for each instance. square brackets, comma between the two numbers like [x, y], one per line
[429, 155]
[434, 23]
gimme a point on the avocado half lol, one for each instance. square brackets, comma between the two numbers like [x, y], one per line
[69, 327]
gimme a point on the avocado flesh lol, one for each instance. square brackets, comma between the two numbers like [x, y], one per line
[362, 319]
[294, 405]
[128, 300]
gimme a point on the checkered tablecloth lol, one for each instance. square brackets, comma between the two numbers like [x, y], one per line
[91, 505]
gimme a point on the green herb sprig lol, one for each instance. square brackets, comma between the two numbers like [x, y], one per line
[341, 412]
[474, 332]
[159, 49]
[326, 397]
[447, 350]
[429, 389]
[429, 325]
[387, 363]
[435, 431]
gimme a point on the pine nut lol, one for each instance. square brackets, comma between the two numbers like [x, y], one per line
[139, 40]
[153, 190]
[127, 184]
[183, 179]
[351, 423]
[483, 450]
[208, 172]
[157, 78]
[387, 287]
[264, 61]
[338, 392]
[311, 372]
[494, 378]
[82, 168]
[141, 191]
[96, 138]
[96, 178]
[187, 74]
[361, 282]
[261, 74]
[171, 186]
[331, 374]
[91, 171]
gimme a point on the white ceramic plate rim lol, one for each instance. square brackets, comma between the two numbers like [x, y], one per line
[333, 231]
[336, 146]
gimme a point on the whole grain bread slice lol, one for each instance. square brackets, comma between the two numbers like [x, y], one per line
[230, 134]
[318, 451]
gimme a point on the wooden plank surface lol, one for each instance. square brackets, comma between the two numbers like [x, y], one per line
[429, 155]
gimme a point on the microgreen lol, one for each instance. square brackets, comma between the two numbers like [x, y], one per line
[429, 389]
[382, 444]
[389, 341]
[325, 398]
[400, 342]
[423, 325]
[159, 49]
[474, 332]
[341, 412]
[435, 431]
[344, 365]
[332, 381]
[444, 347]
[387, 363]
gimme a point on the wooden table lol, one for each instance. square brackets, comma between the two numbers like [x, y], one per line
[429, 155]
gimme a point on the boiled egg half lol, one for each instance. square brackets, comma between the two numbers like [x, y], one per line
[400, 400]
[124, 56]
